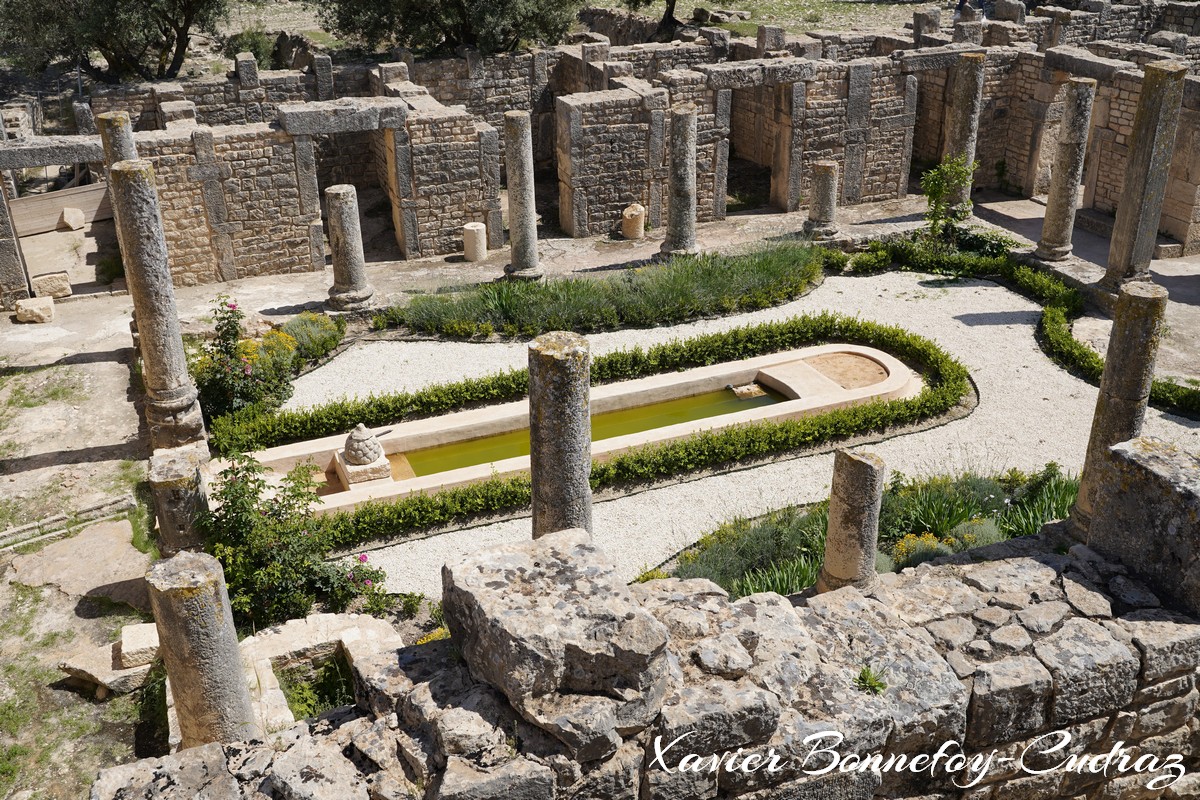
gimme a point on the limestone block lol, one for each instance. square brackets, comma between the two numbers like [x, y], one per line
[71, 219]
[360, 473]
[717, 716]
[475, 241]
[519, 779]
[1169, 642]
[35, 309]
[100, 666]
[52, 284]
[201, 773]
[314, 769]
[1008, 701]
[1094, 674]
[564, 678]
[139, 645]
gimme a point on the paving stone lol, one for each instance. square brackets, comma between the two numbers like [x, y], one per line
[1094, 674]
[1042, 617]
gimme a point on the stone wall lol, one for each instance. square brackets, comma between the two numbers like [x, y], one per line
[999, 653]
[610, 154]
[231, 203]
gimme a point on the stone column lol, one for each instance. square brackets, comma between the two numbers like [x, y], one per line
[350, 289]
[172, 411]
[966, 101]
[681, 211]
[199, 647]
[560, 432]
[14, 278]
[822, 205]
[116, 136]
[1124, 388]
[180, 496]
[852, 535]
[522, 213]
[1146, 172]
[1059, 221]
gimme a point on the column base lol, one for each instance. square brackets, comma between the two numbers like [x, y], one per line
[175, 422]
[512, 273]
[350, 299]
[828, 583]
[821, 231]
[1048, 252]
[666, 252]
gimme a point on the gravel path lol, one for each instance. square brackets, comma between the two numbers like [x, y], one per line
[1030, 412]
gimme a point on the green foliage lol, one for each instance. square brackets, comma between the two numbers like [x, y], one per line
[232, 373]
[254, 40]
[437, 615]
[834, 262]
[650, 574]
[684, 288]
[490, 26]
[1047, 496]
[878, 258]
[782, 577]
[108, 39]
[870, 681]
[271, 550]
[742, 555]
[941, 186]
[310, 694]
[316, 335]
[410, 603]
[936, 505]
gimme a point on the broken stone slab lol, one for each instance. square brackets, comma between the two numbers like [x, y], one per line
[1085, 598]
[1042, 617]
[200, 773]
[71, 219]
[35, 309]
[716, 717]
[314, 769]
[101, 666]
[138, 645]
[113, 568]
[1094, 674]
[52, 284]
[603, 650]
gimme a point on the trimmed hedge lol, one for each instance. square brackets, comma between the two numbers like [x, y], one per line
[947, 383]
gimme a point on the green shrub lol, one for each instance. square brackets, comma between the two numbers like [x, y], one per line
[1047, 496]
[684, 288]
[742, 547]
[271, 550]
[254, 40]
[833, 261]
[975, 533]
[941, 186]
[650, 574]
[310, 693]
[232, 373]
[878, 258]
[914, 549]
[316, 335]
[782, 577]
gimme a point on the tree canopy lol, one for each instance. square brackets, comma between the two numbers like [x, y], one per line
[144, 39]
[491, 26]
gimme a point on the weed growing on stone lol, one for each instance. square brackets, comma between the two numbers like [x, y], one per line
[870, 681]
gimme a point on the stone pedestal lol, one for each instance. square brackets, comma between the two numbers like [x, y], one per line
[522, 213]
[1124, 388]
[172, 411]
[852, 535]
[475, 241]
[560, 432]
[361, 459]
[822, 205]
[180, 496]
[965, 103]
[1059, 221]
[350, 290]
[199, 646]
[1146, 172]
[633, 221]
[681, 208]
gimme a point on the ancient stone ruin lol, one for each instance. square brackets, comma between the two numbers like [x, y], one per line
[436, 135]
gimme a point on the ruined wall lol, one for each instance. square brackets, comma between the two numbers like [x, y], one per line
[610, 154]
[999, 652]
[712, 135]
[256, 227]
